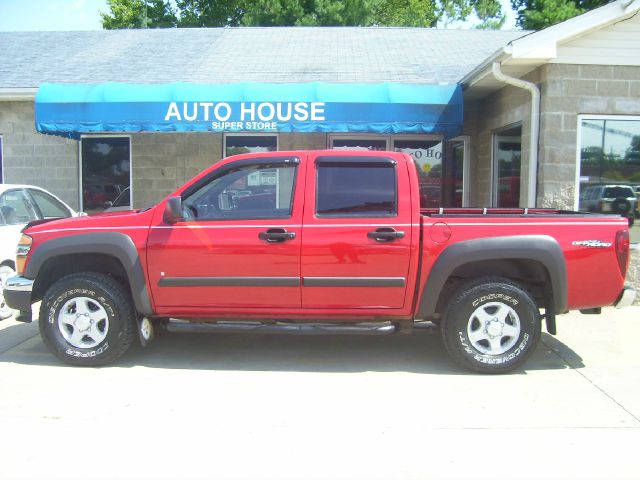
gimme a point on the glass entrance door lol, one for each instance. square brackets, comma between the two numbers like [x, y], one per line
[105, 173]
[507, 153]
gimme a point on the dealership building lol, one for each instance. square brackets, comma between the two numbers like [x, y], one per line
[494, 118]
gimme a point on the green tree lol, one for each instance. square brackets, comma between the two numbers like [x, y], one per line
[138, 14]
[539, 14]
[219, 13]
[211, 13]
[310, 12]
[421, 13]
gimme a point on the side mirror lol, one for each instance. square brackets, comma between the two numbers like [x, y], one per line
[173, 210]
[108, 204]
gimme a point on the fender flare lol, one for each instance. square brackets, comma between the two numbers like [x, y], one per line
[114, 244]
[541, 248]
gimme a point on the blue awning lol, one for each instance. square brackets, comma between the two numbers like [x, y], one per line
[71, 110]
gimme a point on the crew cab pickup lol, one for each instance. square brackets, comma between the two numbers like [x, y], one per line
[317, 242]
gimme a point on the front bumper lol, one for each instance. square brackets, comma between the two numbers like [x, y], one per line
[17, 293]
[626, 298]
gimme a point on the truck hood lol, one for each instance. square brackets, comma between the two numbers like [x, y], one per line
[103, 221]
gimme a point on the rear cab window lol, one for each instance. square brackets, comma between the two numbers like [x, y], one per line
[617, 192]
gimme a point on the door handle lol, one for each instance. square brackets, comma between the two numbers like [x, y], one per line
[276, 235]
[385, 234]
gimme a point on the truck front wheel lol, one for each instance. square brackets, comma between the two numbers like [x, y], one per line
[87, 319]
[491, 326]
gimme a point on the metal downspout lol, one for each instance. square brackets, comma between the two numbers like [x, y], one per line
[535, 127]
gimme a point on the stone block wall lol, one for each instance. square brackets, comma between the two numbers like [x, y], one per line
[29, 157]
[161, 162]
[303, 141]
[567, 91]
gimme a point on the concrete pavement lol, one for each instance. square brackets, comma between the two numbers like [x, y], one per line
[285, 407]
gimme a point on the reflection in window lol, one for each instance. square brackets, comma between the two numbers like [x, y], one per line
[356, 189]
[359, 143]
[16, 207]
[49, 207]
[237, 144]
[428, 157]
[105, 172]
[507, 159]
[453, 174]
[610, 166]
[248, 192]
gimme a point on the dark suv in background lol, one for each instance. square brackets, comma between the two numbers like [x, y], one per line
[616, 199]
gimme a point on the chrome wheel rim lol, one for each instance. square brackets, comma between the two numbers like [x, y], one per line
[83, 322]
[493, 328]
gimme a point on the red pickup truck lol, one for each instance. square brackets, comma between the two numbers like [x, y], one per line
[317, 242]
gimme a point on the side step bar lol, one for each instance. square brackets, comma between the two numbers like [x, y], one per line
[294, 328]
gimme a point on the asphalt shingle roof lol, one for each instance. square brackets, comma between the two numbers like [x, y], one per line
[224, 55]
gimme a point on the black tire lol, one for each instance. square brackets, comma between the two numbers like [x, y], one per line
[621, 206]
[487, 297]
[95, 291]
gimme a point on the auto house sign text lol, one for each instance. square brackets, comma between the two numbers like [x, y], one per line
[245, 115]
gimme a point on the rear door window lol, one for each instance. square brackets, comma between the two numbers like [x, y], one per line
[356, 187]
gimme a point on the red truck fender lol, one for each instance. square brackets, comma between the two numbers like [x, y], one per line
[541, 249]
[112, 244]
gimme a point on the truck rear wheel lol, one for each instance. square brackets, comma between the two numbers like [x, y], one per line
[491, 326]
[87, 319]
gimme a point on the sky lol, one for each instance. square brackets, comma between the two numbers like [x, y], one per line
[43, 15]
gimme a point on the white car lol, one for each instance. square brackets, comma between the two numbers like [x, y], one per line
[19, 205]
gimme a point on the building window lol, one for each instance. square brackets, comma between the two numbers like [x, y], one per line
[105, 171]
[235, 144]
[427, 154]
[609, 159]
[358, 142]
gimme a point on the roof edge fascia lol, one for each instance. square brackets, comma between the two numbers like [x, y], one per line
[16, 94]
[543, 44]
[539, 47]
[484, 69]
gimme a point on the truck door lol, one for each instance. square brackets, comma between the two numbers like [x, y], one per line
[356, 245]
[239, 243]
